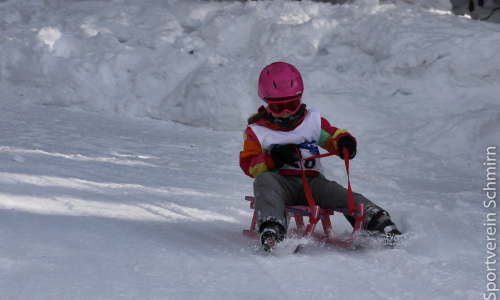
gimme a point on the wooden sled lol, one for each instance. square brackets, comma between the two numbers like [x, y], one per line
[317, 213]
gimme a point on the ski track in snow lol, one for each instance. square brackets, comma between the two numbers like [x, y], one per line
[100, 229]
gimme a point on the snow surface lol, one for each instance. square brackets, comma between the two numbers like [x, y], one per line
[122, 123]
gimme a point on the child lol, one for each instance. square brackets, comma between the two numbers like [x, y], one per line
[270, 156]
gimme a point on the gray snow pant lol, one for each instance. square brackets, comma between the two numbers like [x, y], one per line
[272, 191]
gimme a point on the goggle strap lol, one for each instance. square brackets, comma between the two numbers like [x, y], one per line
[283, 100]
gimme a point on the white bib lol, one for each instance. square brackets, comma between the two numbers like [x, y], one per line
[305, 136]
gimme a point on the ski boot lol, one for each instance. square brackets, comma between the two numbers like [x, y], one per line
[381, 222]
[271, 234]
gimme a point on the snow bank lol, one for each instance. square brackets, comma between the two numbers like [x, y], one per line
[197, 62]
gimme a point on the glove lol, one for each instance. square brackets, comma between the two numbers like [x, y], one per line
[286, 154]
[349, 143]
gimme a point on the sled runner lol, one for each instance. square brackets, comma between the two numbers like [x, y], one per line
[317, 213]
[321, 214]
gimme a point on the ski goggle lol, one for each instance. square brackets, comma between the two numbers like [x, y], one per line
[279, 106]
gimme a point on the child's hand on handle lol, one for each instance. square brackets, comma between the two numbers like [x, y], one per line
[349, 143]
[286, 154]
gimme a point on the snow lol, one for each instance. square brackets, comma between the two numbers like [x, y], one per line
[122, 123]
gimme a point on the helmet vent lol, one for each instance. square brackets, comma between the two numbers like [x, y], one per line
[267, 71]
[275, 85]
[291, 85]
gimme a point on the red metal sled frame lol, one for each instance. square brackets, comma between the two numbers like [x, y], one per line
[323, 214]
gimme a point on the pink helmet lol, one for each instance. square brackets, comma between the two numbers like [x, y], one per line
[280, 80]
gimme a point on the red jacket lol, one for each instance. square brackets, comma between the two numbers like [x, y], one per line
[255, 160]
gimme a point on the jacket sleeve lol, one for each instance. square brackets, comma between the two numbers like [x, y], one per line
[330, 136]
[253, 159]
